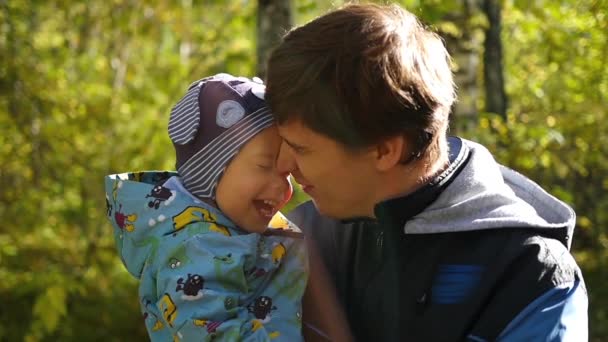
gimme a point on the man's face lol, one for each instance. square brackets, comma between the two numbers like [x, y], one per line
[251, 189]
[341, 182]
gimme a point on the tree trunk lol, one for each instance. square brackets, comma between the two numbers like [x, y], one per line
[465, 49]
[274, 20]
[496, 98]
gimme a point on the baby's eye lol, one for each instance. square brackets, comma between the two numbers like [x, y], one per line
[265, 167]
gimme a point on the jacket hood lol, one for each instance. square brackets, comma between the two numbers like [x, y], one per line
[146, 207]
[487, 195]
[142, 211]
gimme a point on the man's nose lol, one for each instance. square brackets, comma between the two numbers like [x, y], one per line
[286, 163]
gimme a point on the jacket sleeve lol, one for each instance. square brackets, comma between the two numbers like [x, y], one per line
[199, 282]
[541, 298]
[560, 314]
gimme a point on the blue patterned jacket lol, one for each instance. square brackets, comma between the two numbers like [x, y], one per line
[201, 277]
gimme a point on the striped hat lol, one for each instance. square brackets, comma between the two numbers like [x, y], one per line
[210, 124]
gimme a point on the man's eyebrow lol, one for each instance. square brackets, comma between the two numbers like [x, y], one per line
[294, 145]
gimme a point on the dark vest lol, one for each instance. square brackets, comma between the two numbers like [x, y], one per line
[434, 287]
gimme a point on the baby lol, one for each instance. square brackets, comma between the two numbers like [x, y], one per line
[199, 238]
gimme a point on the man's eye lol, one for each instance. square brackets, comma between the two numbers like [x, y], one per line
[297, 149]
[265, 167]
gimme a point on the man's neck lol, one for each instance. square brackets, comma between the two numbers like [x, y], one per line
[405, 179]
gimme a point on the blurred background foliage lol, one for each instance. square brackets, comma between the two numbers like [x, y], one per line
[86, 88]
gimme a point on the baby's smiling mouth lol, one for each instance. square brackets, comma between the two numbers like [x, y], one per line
[266, 208]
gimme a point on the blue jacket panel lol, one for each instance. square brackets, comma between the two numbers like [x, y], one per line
[560, 314]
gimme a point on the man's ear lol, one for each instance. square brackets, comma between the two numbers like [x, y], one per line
[389, 152]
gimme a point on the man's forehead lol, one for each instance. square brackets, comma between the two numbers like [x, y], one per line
[292, 129]
[295, 134]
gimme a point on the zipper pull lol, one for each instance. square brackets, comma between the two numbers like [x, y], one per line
[421, 302]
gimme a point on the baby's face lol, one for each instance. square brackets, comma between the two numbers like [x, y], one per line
[251, 189]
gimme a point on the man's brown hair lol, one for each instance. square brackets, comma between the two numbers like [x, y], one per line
[363, 73]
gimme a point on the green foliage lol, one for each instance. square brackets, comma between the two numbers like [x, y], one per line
[556, 66]
[86, 88]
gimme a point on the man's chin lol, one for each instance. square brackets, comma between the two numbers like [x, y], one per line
[320, 208]
[342, 215]
[329, 212]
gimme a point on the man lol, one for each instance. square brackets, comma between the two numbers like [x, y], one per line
[425, 237]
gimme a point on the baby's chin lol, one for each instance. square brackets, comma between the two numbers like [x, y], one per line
[257, 228]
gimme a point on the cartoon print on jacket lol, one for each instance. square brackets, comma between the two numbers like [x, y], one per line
[108, 206]
[168, 309]
[199, 272]
[174, 263]
[211, 326]
[160, 194]
[255, 272]
[179, 257]
[227, 259]
[125, 221]
[190, 215]
[148, 313]
[214, 227]
[192, 287]
[261, 308]
[278, 251]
